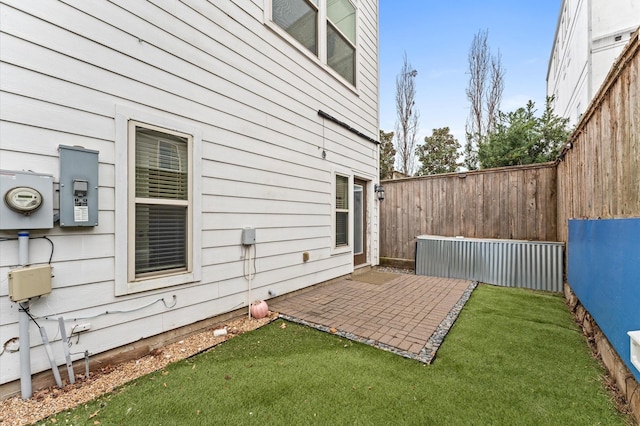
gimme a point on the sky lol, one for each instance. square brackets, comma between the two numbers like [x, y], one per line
[436, 36]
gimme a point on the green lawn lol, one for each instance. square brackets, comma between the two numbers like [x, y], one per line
[513, 357]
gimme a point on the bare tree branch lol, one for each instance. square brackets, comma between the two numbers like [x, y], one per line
[478, 71]
[484, 92]
[494, 95]
[407, 118]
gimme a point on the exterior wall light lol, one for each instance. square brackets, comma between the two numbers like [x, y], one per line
[380, 192]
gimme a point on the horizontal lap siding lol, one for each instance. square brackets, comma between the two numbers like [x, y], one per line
[217, 67]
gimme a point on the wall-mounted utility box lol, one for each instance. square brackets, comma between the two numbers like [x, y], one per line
[248, 236]
[634, 336]
[28, 282]
[78, 186]
[27, 200]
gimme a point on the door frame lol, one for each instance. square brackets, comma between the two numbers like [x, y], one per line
[361, 257]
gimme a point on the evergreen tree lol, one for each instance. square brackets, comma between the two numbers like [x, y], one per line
[438, 154]
[522, 138]
[387, 155]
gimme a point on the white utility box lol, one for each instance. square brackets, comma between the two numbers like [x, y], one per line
[248, 236]
[634, 336]
[28, 282]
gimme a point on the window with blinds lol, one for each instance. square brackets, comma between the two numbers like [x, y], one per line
[161, 202]
[342, 210]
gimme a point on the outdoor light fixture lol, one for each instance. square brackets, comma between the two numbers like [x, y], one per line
[380, 192]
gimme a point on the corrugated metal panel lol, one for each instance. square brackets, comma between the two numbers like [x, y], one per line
[513, 263]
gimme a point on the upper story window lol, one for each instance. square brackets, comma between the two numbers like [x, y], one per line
[300, 19]
[326, 28]
[341, 38]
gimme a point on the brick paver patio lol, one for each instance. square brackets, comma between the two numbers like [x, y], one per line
[409, 315]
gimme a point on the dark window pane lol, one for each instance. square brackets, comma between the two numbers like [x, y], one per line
[340, 54]
[161, 236]
[298, 18]
[342, 228]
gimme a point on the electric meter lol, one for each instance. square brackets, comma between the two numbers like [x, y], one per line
[26, 200]
[23, 199]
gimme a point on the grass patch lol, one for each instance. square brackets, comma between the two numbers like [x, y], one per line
[513, 357]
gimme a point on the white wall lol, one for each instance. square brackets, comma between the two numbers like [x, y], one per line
[584, 49]
[68, 67]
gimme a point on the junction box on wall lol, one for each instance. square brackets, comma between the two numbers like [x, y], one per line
[28, 282]
[248, 236]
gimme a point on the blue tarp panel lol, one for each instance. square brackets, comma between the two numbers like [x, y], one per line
[604, 272]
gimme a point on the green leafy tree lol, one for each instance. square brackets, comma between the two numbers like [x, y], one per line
[387, 155]
[438, 154]
[522, 138]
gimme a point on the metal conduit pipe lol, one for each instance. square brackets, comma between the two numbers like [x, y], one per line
[23, 321]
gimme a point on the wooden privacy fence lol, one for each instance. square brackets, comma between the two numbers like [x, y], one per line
[599, 177]
[509, 202]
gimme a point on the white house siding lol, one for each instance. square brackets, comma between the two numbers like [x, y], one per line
[589, 36]
[68, 71]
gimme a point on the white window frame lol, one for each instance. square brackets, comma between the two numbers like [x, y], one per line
[348, 248]
[125, 283]
[321, 58]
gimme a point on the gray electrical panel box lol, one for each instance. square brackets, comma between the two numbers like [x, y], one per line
[27, 200]
[78, 186]
[248, 236]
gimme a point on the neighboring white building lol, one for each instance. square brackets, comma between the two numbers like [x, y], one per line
[208, 118]
[589, 36]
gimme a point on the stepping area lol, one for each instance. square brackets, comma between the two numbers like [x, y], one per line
[402, 313]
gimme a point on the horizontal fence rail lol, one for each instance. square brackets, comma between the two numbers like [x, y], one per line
[510, 263]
